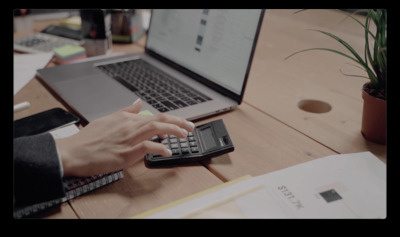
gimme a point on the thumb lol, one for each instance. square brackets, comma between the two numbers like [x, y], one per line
[135, 107]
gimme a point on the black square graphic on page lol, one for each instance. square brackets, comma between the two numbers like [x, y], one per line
[330, 195]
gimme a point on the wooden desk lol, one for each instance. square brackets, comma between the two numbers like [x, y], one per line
[268, 129]
[276, 86]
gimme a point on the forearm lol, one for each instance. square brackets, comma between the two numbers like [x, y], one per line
[37, 170]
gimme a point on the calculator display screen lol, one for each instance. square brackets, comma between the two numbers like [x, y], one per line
[207, 137]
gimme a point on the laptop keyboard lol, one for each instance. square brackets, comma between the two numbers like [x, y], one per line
[152, 85]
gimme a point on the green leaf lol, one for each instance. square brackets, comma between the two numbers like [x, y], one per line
[359, 22]
[375, 55]
[351, 75]
[345, 44]
[325, 49]
[367, 53]
[356, 58]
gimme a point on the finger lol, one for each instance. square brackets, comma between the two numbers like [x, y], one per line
[147, 147]
[161, 117]
[135, 107]
[181, 122]
[162, 136]
[160, 125]
[158, 149]
[153, 128]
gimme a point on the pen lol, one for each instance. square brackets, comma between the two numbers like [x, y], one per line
[21, 106]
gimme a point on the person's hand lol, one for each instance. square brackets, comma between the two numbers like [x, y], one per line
[117, 141]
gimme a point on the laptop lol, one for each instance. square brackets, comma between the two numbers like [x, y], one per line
[195, 64]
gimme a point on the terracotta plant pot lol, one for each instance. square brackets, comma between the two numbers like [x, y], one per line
[373, 126]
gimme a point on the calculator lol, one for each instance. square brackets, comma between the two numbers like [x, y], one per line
[206, 141]
[48, 39]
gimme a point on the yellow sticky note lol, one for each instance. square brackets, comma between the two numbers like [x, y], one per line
[69, 50]
[145, 112]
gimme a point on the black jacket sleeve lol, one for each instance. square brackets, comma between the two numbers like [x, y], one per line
[37, 170]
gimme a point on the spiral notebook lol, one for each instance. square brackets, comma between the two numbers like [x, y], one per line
[74, 186]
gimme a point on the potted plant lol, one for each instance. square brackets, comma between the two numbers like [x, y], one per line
[374, 63]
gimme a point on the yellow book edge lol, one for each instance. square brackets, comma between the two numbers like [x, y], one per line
[190, 197]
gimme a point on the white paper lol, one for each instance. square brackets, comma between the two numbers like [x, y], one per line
[146, 15]
[338, 186]
[25, 66]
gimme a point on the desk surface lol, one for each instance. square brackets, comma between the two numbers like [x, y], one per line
[269, 130]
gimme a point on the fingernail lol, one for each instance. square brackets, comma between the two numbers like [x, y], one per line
[169, 152]
[136, 101]
[191, 124]
[185, 132]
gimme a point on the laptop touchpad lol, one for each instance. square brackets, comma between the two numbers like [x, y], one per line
[94, 96]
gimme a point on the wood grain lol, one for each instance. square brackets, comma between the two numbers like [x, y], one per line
[276, 86]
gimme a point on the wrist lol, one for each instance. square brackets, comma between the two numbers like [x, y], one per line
[65, 157]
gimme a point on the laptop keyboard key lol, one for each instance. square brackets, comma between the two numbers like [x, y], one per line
[163, 109]
[169, 105]
[151, 101]
[156, 87]
[198, 99]
[180, 103]
[125, 83]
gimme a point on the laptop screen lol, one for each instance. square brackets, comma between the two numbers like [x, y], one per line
[214, 43]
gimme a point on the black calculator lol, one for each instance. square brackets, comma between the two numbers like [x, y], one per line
[206, 141]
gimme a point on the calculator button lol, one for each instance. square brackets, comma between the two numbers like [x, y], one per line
[185, 150]
[194, 149]
[175, 151]
[173, 140]
[178, 146]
